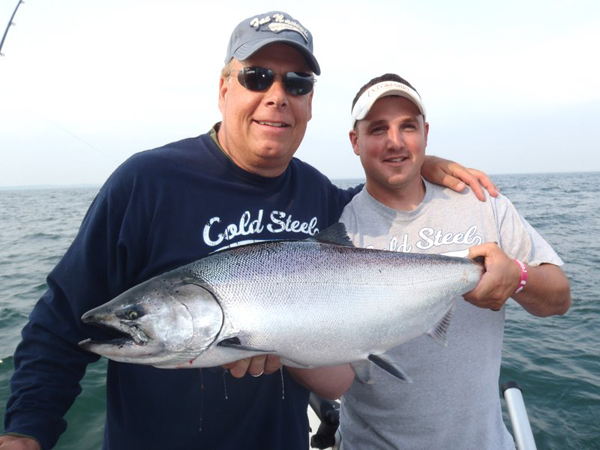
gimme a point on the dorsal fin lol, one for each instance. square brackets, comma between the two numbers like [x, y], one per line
[335, 234]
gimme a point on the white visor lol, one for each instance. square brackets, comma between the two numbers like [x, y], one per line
[383, 89]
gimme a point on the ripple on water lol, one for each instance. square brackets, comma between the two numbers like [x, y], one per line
[556, 360]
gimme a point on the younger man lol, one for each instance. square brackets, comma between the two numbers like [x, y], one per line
[453, 402]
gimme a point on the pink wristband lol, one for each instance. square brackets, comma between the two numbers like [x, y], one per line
[523, 281]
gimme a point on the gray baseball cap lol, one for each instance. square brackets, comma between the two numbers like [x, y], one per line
[255, 32]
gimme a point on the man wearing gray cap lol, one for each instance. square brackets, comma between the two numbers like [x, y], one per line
[453, 401]
[169, 206]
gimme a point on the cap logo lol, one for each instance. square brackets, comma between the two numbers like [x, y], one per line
[278, 23]
[390, 84]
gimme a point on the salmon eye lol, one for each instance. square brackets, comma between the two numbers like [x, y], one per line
[131, 313]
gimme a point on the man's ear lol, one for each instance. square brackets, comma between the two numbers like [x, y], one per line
[426, 131]
[223, 89]
[310, 104]
[353, 135]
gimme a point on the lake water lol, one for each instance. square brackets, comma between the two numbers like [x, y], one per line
[555, 360]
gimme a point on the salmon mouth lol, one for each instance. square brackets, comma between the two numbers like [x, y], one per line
[131, 343]
[90, 345]
[126, 334]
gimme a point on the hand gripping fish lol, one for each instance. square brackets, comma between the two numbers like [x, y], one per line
[314, 302]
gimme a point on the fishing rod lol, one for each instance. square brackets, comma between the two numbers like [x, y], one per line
[10, 23]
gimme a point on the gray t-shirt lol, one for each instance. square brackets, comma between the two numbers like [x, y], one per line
[453, 402]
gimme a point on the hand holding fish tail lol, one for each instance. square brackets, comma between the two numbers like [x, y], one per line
[500, 280]
[547, 290]
[255, 366]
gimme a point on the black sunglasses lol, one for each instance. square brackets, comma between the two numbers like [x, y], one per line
[261, 79]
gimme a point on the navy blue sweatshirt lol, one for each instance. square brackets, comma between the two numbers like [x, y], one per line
[160, 209]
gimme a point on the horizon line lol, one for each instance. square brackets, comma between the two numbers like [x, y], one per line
[98, 185]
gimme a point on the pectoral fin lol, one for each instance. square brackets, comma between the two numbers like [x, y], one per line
[364, 369]
[237, 345]
[390, 366]
[292, 363]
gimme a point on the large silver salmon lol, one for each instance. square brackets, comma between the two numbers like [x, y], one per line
[314, 302]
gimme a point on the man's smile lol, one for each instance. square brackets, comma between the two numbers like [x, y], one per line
[395, 159]
[272, 124]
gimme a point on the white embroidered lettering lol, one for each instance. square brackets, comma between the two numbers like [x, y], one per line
[471, 237]
[257, 23]
[275, 219]
[282, 223]
[206, 233]
[247, 226]
[425, 234]
[432, 238]
[312, 226]
[400, 247]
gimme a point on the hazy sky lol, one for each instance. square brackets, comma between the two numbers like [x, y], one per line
[510, 87]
